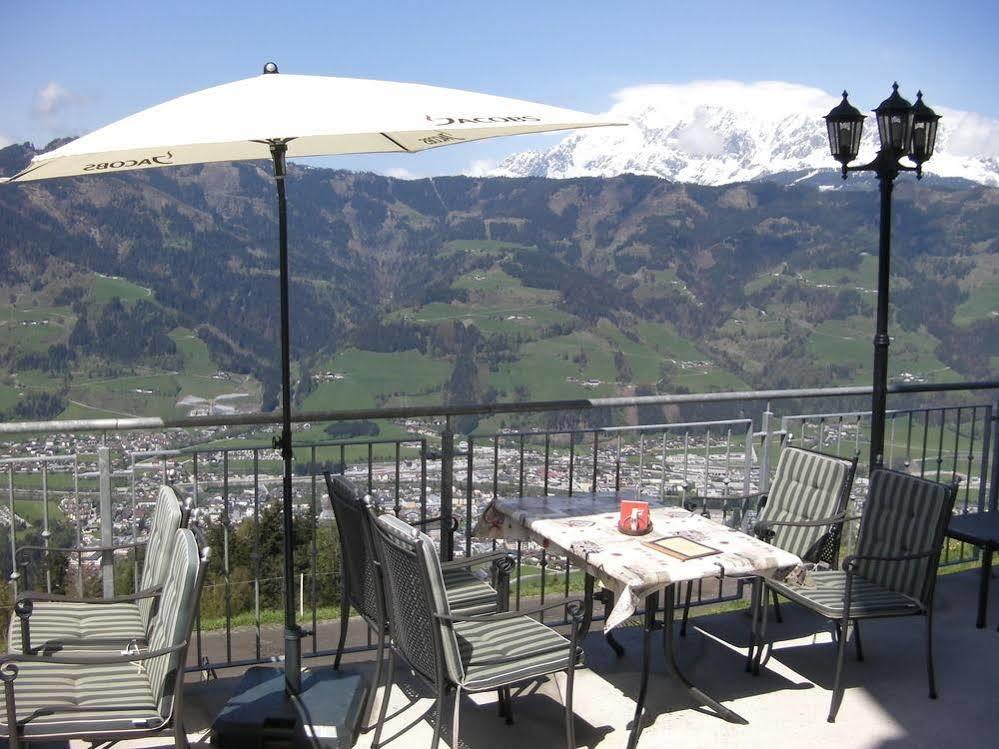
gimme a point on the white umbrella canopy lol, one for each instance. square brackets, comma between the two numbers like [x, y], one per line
[274, 116]
[315, 115]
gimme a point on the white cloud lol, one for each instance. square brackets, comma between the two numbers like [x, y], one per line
[700, 140]
[4, 141]
[52, 98]
[399, 172]
[968, 134]
[480, 168]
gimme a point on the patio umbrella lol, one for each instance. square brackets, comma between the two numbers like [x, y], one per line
[273, 116]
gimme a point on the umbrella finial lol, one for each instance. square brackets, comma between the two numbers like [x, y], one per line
[270, 67]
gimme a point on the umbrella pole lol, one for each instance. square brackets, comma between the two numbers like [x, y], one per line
[292, 632]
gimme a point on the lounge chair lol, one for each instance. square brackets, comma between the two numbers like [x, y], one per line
[893, 572]
[50, 622]
[450, 651]
[105, 696]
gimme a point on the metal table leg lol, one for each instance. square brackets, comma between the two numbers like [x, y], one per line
[983, 590]
[674, 669]
[651, 607]
[584, 627]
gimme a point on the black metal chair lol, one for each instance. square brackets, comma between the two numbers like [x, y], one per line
[362, 589]
[802, 512]
[893, 572]
[451, 651]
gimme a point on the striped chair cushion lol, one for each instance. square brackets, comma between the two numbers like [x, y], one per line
[63, 691]
[159, 547]
[806, 486]
[903, 515]
[867, 599]
[172, 625]
[538, 650]
[467, 594]
[54, 621]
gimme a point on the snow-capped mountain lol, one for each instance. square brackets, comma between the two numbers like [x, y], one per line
[716, 132]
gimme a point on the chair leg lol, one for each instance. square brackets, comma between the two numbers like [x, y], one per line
[344, 621]
[837, 696]
[439, 723]
[754, 616]
[179, 734]
[777, 614]
[929, 655]
[764, 645]
[856, 640]
[379, 659]
[509, 706]
[686, 608]
[383, 708]
[570, 717]
[455, 717]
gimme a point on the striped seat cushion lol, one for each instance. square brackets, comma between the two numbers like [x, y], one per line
[535, 650]
[54, 621]
[806, 486]
[467, 594]
[65, 692]
[867, 598]
[903, 515]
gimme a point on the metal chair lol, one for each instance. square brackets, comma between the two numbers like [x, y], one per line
[362, 589]
[103, 696]
[802, 512]
[450, 651]
[893, 572]
[50, 622]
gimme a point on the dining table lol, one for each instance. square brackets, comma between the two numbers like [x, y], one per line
[634, 570]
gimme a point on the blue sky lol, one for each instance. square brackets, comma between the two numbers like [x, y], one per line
[70, 67]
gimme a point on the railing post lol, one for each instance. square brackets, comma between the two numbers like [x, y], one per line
[994, 485]
[767, 427]
[447, 490]
[107, 521]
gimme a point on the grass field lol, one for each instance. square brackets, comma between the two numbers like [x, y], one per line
[983, 302]
[105, 288]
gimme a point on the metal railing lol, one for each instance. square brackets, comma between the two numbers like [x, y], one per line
[416, 475]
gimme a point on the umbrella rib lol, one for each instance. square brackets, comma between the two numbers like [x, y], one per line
[20, 174]
[393, 140]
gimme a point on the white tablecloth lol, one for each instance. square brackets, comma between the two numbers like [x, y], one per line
[584, 527]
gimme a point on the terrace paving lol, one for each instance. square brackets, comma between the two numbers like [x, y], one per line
[885, 704]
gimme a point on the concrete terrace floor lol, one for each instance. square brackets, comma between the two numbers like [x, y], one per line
[885, 705]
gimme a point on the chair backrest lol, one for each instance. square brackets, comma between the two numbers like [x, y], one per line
[807, 485]
[357, 560]
[415, 593]
[904, 514]
[168, 516]
[173, 625]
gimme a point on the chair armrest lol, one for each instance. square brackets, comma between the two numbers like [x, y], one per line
[81, 549]
[55, 597]
[850, 563]
[428, 521]
[504, 615]
[472, 561]
[89, 659]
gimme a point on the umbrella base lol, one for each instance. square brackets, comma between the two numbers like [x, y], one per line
[327, 713]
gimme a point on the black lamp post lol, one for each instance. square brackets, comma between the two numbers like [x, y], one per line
[906, 130]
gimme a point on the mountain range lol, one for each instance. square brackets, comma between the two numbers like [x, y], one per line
[720, 132]
[128, 293]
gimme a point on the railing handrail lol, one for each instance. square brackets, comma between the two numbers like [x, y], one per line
[402, 412]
